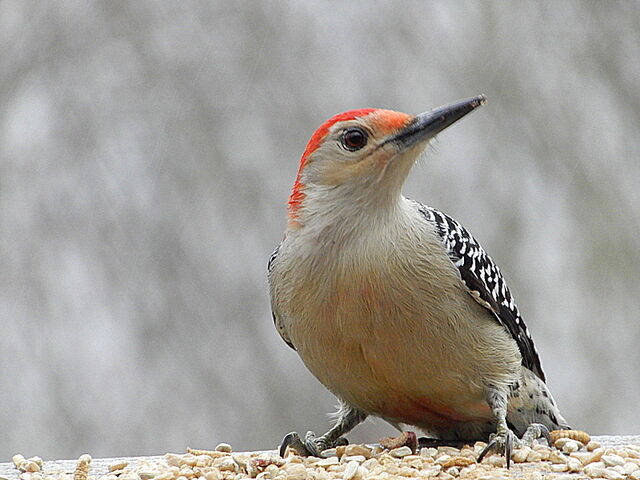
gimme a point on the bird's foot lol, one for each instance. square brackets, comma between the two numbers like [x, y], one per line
[504, 440]
[311, 446]
[534, 432]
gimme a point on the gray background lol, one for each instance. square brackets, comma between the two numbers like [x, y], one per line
[147, 150]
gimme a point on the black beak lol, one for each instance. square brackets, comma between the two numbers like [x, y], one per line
[428, 124]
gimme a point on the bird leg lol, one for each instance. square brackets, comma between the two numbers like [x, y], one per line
[504, 439]
[347, 418]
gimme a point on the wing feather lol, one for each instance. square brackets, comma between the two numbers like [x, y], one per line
[276, 320]
[484, 281]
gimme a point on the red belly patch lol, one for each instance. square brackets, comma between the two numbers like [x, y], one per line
[430, 414]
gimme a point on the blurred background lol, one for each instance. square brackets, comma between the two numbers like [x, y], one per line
[147, 150]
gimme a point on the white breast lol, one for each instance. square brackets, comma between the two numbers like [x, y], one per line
[380, 316]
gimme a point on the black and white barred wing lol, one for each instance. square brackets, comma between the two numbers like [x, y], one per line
[485, 282]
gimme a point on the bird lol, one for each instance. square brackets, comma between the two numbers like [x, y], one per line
[393, 305]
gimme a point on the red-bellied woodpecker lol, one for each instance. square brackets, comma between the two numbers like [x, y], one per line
[393, 305]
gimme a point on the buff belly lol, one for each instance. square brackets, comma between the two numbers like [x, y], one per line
[400, 353]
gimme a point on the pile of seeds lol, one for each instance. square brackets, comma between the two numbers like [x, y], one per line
[570, 459]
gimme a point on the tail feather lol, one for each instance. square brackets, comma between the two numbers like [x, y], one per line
[531, 402]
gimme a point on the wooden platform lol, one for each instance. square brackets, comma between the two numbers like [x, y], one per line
[100, 466]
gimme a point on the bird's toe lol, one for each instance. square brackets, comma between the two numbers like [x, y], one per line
[534, 432]
[502, 443]
[311, 446]
[293, 440]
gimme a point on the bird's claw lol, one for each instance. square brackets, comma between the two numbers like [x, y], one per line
[535, 431]
[311, 446]
[341, 442]
[503, 442]
[294, 441]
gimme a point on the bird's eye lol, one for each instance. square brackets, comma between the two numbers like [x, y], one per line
[354, 139]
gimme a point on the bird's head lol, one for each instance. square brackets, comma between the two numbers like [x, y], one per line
[361, 158]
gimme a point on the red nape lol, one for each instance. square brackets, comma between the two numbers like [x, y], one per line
[316, 139]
